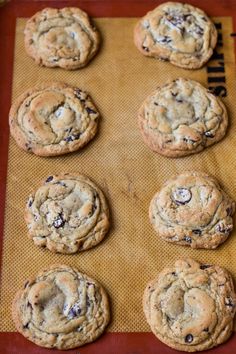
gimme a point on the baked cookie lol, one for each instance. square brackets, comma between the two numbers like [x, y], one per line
[53, 119]
[67, 213]
[191, 306]
[192, 210]
[182, 118]
[61, 37]
[177, 32]
[61, 308]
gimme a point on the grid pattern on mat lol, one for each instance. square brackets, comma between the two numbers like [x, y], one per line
[118, 79]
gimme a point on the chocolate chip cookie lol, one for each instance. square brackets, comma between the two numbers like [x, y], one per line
[61, 37]
[67, 214]
[192, 210]
[191, 306]
[53, 119]
[177, 32]
[61, 308]
[182, 118]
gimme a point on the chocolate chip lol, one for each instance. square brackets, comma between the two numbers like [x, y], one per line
[173, 273]
[205, 266]
[79, 329]
[187, 239]
[179, 101]
[206, 329]
[204, 19]
[90, 110]
[197, 231]
[59, 221]
[26, 326]
[145, 48]
[208, 134]
[174, 94]
[156, 104]
[189, 338]
[181, 196]
[49, 179]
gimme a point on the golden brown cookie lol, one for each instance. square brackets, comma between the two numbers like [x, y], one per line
[181, 118]
[61, 308]
[177, 32]
[61, 37]
[53, 119]
[191, 306]
[192, 210]
[67, 214]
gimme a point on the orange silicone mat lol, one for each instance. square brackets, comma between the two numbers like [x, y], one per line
[118, 79]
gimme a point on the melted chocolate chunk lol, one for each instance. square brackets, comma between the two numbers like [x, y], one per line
[229, 302]
[165, 39]
[199, 30]
[205, 266]
[145, 48]
[189, 338]
[61, 183]
[30, 202]
[59, 221]
[72, 137]
[181, 196]
[163, 59]
[208, 134]
[26, 284]
[28, 147]
[197, 231]
[223, 229]
[90, 110]
[49, 179]
[187, 239]
[74, 311]
[29, 305]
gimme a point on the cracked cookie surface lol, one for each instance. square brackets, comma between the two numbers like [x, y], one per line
[177, 32]
[67, 214]
[61, 38]
[192, 210]
[61, 308]
[191, 306]
[53, 119]
[182, 118]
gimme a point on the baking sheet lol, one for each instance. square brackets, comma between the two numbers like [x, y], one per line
[118, 79]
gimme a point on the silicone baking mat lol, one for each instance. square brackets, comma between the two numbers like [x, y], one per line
[118, 79]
